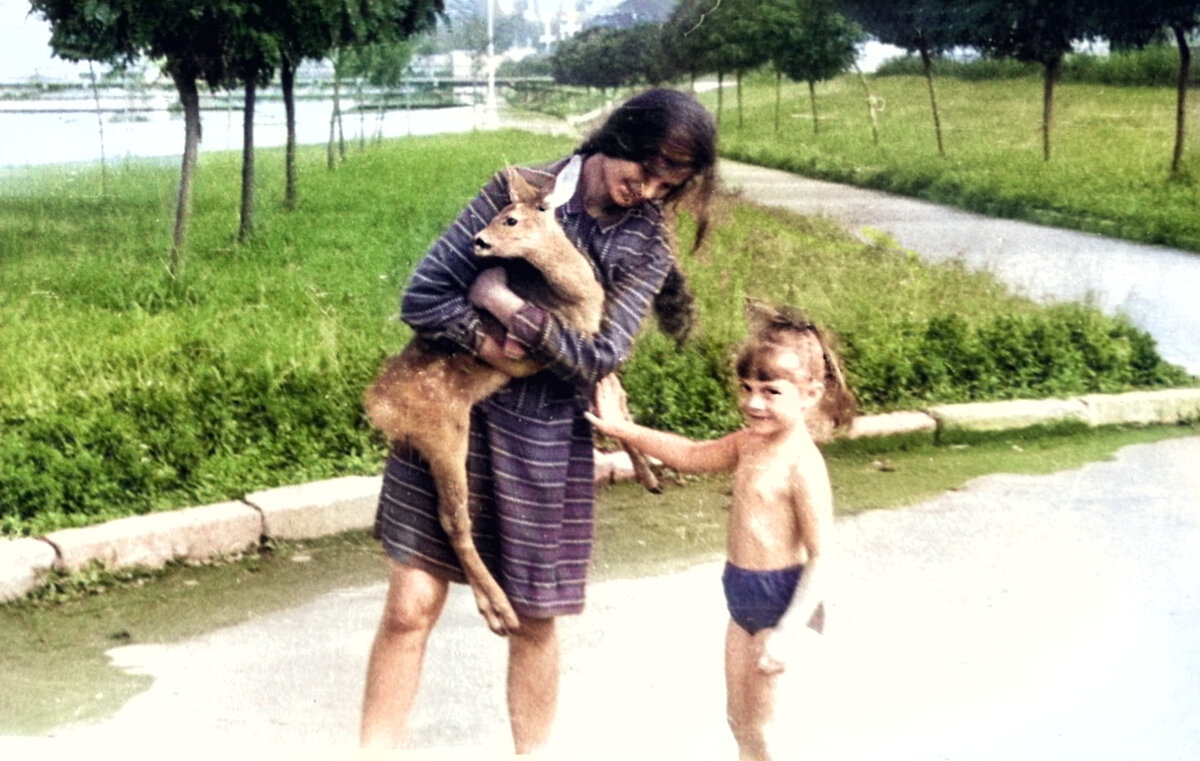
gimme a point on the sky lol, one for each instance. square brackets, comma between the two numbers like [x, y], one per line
[25, 46]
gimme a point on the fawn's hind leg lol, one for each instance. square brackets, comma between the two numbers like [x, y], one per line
[448, 465]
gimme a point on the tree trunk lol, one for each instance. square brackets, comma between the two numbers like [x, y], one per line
[189, 98]
[1050, 76]
[778, 97]
[738, 75]
[1185, 62]
[872, 106]
[100, 125]
[380, 115]
[335, 115]
[927, 63]
[362, 114]
[337, 94]
[287, 79]
[720, 95]
[812, 101]
[247, 225]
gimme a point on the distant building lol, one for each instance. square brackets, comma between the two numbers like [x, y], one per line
[633, 12]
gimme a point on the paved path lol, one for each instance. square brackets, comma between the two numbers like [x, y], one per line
[1051, 617]
[1157, 287]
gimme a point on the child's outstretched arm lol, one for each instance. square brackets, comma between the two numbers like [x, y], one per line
[610, 417]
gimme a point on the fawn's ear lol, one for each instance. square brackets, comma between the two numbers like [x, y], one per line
[519, 189]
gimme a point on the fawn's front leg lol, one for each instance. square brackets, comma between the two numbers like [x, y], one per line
[448, 466]
[641, 469]
[641, 465]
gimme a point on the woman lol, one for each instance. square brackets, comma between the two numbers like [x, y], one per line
[531, 458]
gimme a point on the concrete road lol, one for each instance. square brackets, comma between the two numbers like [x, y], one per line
[1034, 617]
[1155, 286]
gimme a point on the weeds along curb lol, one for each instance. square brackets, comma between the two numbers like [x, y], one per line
[321, 508]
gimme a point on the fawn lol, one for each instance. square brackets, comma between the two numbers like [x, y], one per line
[423, 396]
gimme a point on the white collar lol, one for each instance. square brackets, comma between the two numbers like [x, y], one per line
[566, 182]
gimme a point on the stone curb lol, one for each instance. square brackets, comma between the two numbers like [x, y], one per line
[306, 511]
[1009, 415]
[153, 540]
[23, 563]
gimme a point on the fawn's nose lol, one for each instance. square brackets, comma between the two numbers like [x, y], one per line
[482, 244]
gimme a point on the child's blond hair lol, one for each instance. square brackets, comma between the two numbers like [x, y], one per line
[773, 331]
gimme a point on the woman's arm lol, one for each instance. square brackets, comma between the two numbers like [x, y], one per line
[675, 451]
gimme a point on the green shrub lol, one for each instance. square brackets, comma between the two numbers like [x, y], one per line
[688, 391]
[1064, 350]
[1152, 66]
[214, 430]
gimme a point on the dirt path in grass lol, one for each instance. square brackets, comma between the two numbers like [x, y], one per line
[1034, 617]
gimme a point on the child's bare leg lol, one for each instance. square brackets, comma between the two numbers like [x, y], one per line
[414, 602]
[533, 657]
[749, 694]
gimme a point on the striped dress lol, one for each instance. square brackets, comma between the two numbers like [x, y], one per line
[530, 463]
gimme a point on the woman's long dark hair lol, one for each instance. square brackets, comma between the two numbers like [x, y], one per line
[674, 127]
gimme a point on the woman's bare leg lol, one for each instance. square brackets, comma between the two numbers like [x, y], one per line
[533, 657]
[415, 599]
[749, 693]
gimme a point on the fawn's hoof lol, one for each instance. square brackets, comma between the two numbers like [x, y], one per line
[497, 612]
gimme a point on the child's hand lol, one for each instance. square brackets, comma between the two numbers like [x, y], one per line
[608, 405]
[772, 651]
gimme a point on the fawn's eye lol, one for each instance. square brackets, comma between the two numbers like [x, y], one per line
[542, 207]
[511, 221]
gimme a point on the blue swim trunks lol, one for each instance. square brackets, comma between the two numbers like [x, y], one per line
[758, 599]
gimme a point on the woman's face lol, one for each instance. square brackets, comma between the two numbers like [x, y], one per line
[629, 183]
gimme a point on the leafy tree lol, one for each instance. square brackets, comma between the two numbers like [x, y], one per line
[574, 61]
[192, 39]
[689, 42]
[642, 46]
[380, 64]
[317, 29]
[736, 40]
[1128, 25]
[302, 30]
[254, 54]
[602, 57]
[808, 41]
[1034, 31]
[925, 27]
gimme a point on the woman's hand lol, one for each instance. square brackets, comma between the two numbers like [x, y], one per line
[490, 291]
[493, 352]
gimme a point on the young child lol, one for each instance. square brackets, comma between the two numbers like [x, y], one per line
[780, 526]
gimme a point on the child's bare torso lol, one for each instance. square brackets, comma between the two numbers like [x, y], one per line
[773, 481]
